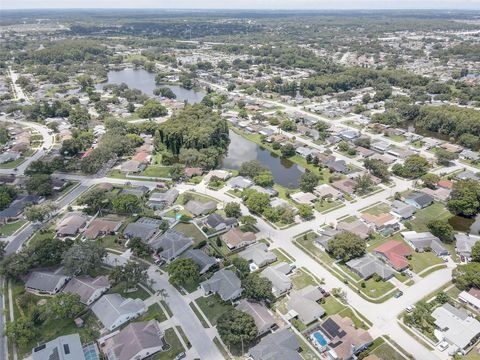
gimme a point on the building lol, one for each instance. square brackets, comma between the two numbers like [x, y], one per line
[457, 327]
[303, 197]
[240, 182]
[46, 282]
[282, 344]
[382, 221]
[101, 227]
[136, 341]
[132, 166]
[277, 274]
[471, 297]
[113, 310]
[439, 194]
[347, 186]
[67, 347]
[198, 208]
[419, 199]
[395, 253]
[258, 254]
[138, 191]
[71, 225]
[218, 223]
[402, 210]
[89, 289]
[356, 227]
[464, 244]
[424, 241]
[236, 238]
[161, 200]
[303, 304]
[368, 265]
[224, 283]
[325, 236]
[326, 191]
[203, 261]
[170, 244]
[142, 230]
[263, 318]
[15, 209]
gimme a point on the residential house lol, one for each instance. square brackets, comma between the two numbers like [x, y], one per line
[380, 146]
[347, 186]
[282, 344]
[368, 265]
[203, 261]
[113, 310]
[364, 152]
[136, 341]
[262, 190]
[218, 223]
[170, 244]
[66, 347]
[277, 274]
[469, 155]
[303, 304]
[464, 244]
[344, 339]
[303, 197]
[193, 171]
[349, 134]
[337, 166]
[438, 194]
[144, 231]
[325, 236]
[402, 210]
[240, 182]
[356, 227]
[456, 326]
[9, 156]
[304, 151]
[424, 241]
[221, 174]
[387, 159]
[471, 297]
[395, 253]
[161, 200]
[198, 208]
[382, 221]
[132, 166]
[138, 191]
[263, 318]
[419, 199]
[71, 225]
[101, 227]
[258, 254]
[15, 209]
[224, 283]
[326, 191]
[46, 282]
[236, 238]
[467, 174]
[89, 289]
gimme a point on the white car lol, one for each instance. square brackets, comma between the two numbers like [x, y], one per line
[409, 308]
[443, 346]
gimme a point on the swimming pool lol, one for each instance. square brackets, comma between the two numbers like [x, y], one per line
[320, 340]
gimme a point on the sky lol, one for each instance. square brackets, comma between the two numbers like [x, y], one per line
[244, 4]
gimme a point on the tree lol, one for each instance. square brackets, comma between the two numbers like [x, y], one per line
[65, 305]
[305, 211]
[177, 172]
[95, 200]
[475, 252]
[251, 169]
[414, 167]
[442, 229]
[152, 108]
[126, 204]
[16, 265]
[40, 212]
[430, 180]
[264, 179]
[364, 184]
[39, 184]
[465, 198]
[248, 220]
[469, 140]
[232, 209]
[363, 142]
[236, 327]
[129, 274]
[421, 318]
[139, 247]
[347, 246]
[21, 331]
[256, 201]
[467, 275]
[444, 157]
[287, 150]
[442, 298]
[39, 167]
[377, 168]
[257, 288]
[182, 272]
[308, 181]
[165, 92]
[242, 266]
[83, 257]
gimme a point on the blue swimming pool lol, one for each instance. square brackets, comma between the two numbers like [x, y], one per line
[319, 338]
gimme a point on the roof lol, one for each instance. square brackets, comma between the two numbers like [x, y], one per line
[200, 208]
[368, 265]
[345, 185]
[214, 220]
[45, 281]
[111, 306]
[465, 243]
[421, 198]
[172, 243]
[101, 226]
[282, 344]
[304, 303]
[67, 347]
[277, 274]
[138, 191]
[225, 283]
[378, 220]
[303, 197]
[142, 230]
[167, 197]
[71, 224]
[423, 240]
[235, 237]
[326, 190]
[133, 339]
[17, 206]
[193, 171]
[85, 286]
[131, 166]
[240, 182]
[471, 297]
[356, 227]
[258, 254]
[264, 320]
[200, 258]
[141, 156]
[396, 253]
[403, 210]
[458, 328]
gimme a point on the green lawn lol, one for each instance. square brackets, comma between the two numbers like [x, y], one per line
[176, 346]
[213, 307]
[195, 196]
[116, 174]
[378, 209]
[301, 279]
[190, 230]
[157, 171]
[421, 261]
[220, 347]
[199, 316]
[154, 312]
[347, 312]
[332, 306]
[12, 164]
[281, 257]
[325, 206]
[435, 211]
[10, 228]
[140, 293]
[376, 288]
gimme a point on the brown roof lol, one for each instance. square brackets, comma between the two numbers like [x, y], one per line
[235, 237]
[357, 227]
[378, 220]
[101, 227]
[475, 292]
[193, 171]
[141, 156]
[345, 185]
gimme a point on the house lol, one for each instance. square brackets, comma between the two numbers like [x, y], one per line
[15, 209]
[326, 191]
[161, 200]
[170, 244]
[456, 326]
[325, 236]
[221, 174]
[113, 310]
[192, 171]
[224, 283]
[71, 224]
[464, 244]
[258, 254]
[387, 159]
[240, 182]
[219, 223]
[236, 238]
[101, 227]
[268, 190]
[337, 166]
[144, 231]
[344, 340]
[471, 297]
[277, 274]
[364, 152]
[382, 221]
[303, 197]
[203, 261]
[303, 304]
[263, 318]
[395, 253]
[138, 191]
[66, 347]
[368, 265]
[198, 208]
[469, 155]
[349, 134]
[347, 186]
[419, 199]
[9, 156]
[136, 341]
[356, 227]
[58, 184]
[380, 146]
[445, 184]
[132, 166]
[89, 289]
[439, 194]
[304, 151]
[142, 157]
[402, 210]
[46, 282]
[266, 131]
[467, 174]
[282, 344]
[424, 241]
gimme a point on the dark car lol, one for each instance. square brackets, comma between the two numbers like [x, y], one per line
[398, 294]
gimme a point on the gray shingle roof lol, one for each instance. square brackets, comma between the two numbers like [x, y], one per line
[110, 307]
[282, 344]
[203, 261]
[368, 265]
[225, 283]
[171, 244]
[67, 347]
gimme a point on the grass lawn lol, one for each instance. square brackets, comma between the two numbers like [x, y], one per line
[348, 219]
[301, 279]
[332, 306]
[435, 211]
[154, 312]
[195, 196]
[111, 242]
[116, 174]
[213, 307]
[347, 312]
[376, 288]
[140, 293]
[305, 350]
[378, 209]
[190, 230]
[176, 346]
[12, 164]
[157, 171]
[397, 138]
[281, 257]
[199, 316]
[220, 347]
[325, 206]
[421, 261]
[10, 228]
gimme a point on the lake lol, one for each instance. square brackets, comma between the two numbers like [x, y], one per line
[145, 81]
[285, 172]
[469, 225]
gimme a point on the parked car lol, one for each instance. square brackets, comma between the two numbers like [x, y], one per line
[180, 356]
[398, 294]
[409, 308]
[443, 346]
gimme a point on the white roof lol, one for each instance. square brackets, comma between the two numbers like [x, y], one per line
[465, 296]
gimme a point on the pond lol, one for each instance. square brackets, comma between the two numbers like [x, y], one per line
[145, 81]
[285, 172]
[470, 225]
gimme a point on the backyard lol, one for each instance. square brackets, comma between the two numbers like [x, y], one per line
[213, 307]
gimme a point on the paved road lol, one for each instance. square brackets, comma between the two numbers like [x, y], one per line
[19, 94]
